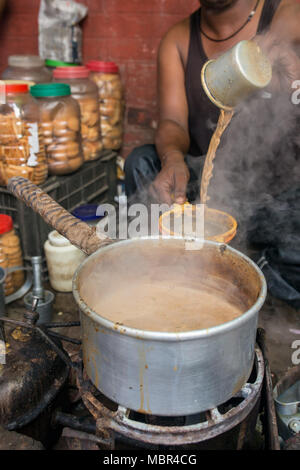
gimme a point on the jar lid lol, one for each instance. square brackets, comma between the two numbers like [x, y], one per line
[71, 72]
[18, 82]
[87, 212]
[16, 87]
[59, 63]
[6, 223]
[100, 66]
[25, 61]
[56, 239]
[50, 89]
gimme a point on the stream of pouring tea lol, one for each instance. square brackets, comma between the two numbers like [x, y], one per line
[224, 120]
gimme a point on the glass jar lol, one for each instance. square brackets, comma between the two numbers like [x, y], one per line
[10, 254]
[111, 102]
[60, 124]
[22, 151]
[27, 67]
[86, 94]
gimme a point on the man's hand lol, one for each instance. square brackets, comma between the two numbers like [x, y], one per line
[171, 183]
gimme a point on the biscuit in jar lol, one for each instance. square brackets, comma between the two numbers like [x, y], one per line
[73, 124]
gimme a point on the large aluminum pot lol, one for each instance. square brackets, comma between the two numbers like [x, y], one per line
[169, 374]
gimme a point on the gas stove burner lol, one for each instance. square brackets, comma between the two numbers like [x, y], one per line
[113, 420]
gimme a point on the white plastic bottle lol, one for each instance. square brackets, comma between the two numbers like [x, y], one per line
[62, 260]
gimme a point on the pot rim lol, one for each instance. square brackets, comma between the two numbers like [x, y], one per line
[170, 336]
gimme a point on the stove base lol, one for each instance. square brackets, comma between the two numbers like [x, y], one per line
[226, 426]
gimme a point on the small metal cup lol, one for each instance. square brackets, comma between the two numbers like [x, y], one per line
[44, 308]
[236, 74]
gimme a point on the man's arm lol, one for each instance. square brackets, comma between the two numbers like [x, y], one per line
[282, 44]
[172, 136]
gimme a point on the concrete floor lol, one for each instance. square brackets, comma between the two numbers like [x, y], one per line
[282, 326]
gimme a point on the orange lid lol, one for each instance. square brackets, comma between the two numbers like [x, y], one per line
[16, 88]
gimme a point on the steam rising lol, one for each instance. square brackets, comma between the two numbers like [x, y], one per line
[258, 157]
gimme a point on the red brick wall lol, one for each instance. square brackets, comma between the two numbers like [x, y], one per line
[125, 31]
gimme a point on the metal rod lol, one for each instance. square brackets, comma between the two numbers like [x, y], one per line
[64, 338]
[37, 290]
[64, 356]
[60, 352]
[84, 436]
[61, 324]
[272, 436]
[17, 323]
[75, 422]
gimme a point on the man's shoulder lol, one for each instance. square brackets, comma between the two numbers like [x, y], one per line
[286, 19]
[178, 32]
[287, 9]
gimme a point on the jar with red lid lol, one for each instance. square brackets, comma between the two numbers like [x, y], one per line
[60, 123]
[85, 92]
[111, 103]
[10, 254]
[22, 151]
[27, 67]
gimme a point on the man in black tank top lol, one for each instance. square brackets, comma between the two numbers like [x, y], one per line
[169, 170]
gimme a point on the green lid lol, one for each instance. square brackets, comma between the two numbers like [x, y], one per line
[58, 63]
[50, 89]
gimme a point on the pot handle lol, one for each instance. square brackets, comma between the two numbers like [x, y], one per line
[77, 232]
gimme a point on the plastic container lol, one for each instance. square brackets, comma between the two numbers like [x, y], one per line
[86, 94]
[10, 254]
[218, 225]
[22, 151]
[60, 124]
[19, 82]
[27, 67]
[95, 182]
[111, 103]
[88, 214]
[62, 261]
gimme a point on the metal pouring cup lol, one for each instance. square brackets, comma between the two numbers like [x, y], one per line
[235, 75]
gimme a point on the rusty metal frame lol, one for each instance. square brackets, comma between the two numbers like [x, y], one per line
[118, 422]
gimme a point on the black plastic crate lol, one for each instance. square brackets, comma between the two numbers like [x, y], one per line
[111, 171]
[95, 183]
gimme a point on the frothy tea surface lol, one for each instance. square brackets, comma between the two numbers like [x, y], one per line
[160, 285]
[163, 306]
